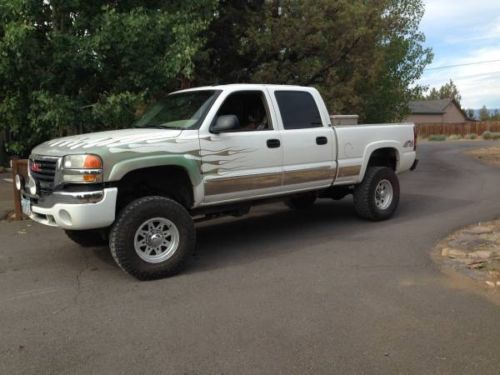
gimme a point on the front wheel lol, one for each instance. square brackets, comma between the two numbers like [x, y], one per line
[377, 197]
[152, 238]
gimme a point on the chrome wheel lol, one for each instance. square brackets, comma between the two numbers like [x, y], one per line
[156, 240]
[383, 194]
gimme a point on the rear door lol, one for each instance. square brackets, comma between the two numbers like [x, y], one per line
[308, 142]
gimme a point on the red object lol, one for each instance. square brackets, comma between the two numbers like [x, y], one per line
[415, 136]
[35, 167]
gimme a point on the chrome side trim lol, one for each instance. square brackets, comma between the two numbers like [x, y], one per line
[242, 183]
[349, 171]
[308, 175]
[267, 180]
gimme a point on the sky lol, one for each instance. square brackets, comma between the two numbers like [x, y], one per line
[464, 32]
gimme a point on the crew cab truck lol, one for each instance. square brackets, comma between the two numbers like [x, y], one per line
[202, 153]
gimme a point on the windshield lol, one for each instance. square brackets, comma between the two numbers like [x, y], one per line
[185, 110]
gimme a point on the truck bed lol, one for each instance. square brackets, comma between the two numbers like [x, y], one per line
[355, 143]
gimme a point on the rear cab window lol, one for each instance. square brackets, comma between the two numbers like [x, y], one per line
[298, 110]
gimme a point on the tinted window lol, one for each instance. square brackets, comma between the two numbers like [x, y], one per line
[185, 110]
[298, 110]
[250, 108]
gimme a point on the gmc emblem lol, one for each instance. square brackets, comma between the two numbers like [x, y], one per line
[36, 167]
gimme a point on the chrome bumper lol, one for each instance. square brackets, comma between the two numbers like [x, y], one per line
[78, 211]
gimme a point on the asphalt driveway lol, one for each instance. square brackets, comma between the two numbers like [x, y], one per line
[278, 291]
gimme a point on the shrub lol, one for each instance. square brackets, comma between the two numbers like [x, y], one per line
[437, 137]
[491, 135]
[471, 136]
[454, 137]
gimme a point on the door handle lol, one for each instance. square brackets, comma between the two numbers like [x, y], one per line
[321, 140]
[273, 143]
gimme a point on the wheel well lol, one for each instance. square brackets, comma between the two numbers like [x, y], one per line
[384, 157]
[168, 181]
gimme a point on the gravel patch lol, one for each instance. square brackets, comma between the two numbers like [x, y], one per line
[475, 252]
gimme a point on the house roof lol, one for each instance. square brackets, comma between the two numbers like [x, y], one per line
[429, 107]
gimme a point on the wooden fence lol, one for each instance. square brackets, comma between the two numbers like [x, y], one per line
[425, 130]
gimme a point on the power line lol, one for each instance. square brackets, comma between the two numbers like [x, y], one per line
[457, 65]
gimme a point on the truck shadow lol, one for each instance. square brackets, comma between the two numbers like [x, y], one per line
[272, 230]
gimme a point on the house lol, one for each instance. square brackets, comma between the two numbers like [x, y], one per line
[441, 111]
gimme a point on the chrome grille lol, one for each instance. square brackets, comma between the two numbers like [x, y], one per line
[43, 171]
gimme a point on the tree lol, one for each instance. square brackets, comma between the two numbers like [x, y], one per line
[495, 116]
[471, 114]
[447, 91]
[74, 65]
[484, 113]
[364, 57]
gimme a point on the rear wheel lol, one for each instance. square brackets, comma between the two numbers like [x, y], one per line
[301, 202]
[377, 197]
[87, 238]
[152, 238]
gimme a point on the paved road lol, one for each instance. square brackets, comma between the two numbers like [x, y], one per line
[318, 292]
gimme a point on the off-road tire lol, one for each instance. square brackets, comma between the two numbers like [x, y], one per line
[364, 194]
[87, 238]
[301, 202]
[121, 238]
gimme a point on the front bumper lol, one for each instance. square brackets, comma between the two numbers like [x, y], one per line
[78, 211]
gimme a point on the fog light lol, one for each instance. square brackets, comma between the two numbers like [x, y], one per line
[65, 217]
[19, 182]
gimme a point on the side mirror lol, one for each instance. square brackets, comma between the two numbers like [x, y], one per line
[225, 123]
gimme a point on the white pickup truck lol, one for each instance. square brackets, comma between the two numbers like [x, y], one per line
[206, 152]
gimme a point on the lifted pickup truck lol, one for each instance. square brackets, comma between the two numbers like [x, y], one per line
[206, 152]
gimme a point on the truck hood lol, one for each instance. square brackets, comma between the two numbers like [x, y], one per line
[108, 142]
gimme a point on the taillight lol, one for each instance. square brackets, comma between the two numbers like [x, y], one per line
[415, 137]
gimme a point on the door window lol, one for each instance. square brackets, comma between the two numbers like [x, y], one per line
[250, 108]
[298, 110]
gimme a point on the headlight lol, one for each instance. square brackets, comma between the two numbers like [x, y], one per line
[82, 168]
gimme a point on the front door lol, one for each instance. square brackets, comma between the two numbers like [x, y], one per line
[245, 162]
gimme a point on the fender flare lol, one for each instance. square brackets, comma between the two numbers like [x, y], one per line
[372, 147]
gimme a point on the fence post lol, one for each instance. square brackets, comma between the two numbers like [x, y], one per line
[16, 195]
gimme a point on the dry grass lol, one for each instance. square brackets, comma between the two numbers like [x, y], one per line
[490, 155]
